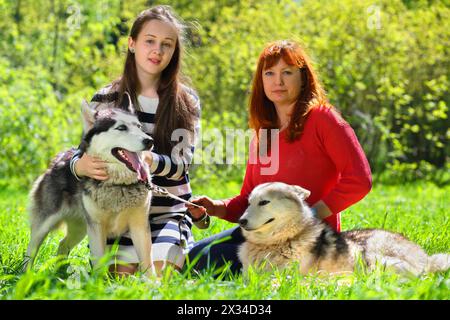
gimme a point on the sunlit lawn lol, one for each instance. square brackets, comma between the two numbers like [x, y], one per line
[420, 211]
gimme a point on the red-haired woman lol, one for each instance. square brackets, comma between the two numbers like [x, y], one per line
[317, 150]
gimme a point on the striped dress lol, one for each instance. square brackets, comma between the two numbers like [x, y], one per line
[167, 216]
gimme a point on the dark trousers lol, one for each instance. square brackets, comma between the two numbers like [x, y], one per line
[217, 255]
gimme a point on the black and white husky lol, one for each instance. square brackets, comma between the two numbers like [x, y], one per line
[280, 229]
[101, 208]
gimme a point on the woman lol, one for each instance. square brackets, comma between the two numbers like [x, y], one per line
[316, 149]
[150, 82]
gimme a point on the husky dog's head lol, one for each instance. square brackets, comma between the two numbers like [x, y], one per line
[116, 137]
[276, 212]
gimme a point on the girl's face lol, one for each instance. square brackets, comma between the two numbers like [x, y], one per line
[282, 83]
[154, 46]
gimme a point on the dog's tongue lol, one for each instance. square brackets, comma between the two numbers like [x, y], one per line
[137, 165]
[142, 174]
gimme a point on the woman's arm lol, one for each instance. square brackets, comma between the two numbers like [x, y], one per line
[228, 209]
[342, 146]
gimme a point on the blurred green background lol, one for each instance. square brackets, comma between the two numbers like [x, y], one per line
[384, 64]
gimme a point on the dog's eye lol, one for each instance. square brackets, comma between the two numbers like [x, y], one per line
[263, 202]
[122, 127]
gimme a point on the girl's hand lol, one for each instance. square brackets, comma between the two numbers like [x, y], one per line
[91, 167]
[148, 157]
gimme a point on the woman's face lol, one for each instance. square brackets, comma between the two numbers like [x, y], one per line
[282, 83]
[154, 46]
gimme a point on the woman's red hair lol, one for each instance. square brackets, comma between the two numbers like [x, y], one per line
[262, 111]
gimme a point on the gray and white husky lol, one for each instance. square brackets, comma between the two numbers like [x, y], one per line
[280, 228]
[101, 208]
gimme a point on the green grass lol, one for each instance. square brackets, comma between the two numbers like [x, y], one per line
[420, 211]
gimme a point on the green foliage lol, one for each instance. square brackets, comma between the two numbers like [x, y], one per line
[28, 127]
[384, 64]
[381, 67]
[401, 173]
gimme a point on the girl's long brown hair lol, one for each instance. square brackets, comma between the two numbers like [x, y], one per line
[175, 108]
[262, 111]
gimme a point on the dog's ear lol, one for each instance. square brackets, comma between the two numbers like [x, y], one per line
[88, 116]
[301, 192]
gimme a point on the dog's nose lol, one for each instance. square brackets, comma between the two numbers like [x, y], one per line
[243, 222]
[148, 143]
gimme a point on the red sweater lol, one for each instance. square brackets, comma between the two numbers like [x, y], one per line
[327, 160]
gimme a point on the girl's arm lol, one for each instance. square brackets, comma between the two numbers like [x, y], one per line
[176, 166]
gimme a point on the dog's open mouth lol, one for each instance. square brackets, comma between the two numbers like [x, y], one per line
[132, 161]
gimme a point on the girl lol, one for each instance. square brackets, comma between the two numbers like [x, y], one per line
[151, 83]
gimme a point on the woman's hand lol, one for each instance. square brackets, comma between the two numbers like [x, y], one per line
[208, 205]
[322, 210]
[91, 167]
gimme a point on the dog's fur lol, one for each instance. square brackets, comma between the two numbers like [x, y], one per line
[280, 228]
[103, 209]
